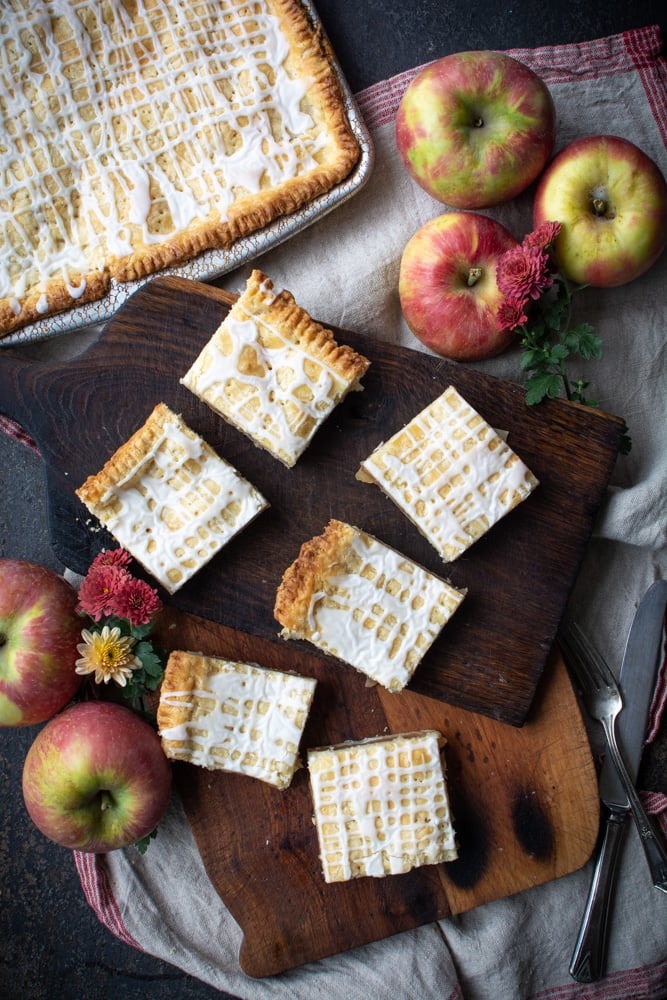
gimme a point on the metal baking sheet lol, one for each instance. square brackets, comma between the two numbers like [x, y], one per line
[213, 263]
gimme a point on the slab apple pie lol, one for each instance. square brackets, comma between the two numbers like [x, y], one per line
[450, 473]
[273, 372]
[381, 806]
[169, 499]
[359, 600]
[136, 135]
[231, 716]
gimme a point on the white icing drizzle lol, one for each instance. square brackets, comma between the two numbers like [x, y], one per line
[243, 718]
[280, 399]
[381, 613]
[77, 291]
[450, 473]
[178, 507]
[381, 806]
[128, 128]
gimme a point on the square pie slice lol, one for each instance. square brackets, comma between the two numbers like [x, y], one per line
[231, 716]
[450, 473]
[381, 806]
[357, 599]
[272, 372]
[169, 499]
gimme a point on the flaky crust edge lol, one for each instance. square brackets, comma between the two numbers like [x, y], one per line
[129, 455]
[183, 672]
[307, 575]
[280, 310]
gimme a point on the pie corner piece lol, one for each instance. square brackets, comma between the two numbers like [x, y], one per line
[273, 372]
[381, 805]
[150, 197]
[364, 603]
[450, 473]
[226, 715]
[169, 499]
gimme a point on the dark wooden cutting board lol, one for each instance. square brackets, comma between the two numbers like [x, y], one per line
[525, 806]
[490, 657]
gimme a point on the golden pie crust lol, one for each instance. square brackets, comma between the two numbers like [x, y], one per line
[137, 135]
[232, 716]
[169, 499]
[363, 602]
[273, 372]
[318, 560]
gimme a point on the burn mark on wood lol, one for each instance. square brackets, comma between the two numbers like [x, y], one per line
[473, 839]
[532, 825]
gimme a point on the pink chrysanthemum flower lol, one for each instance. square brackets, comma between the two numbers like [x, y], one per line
[544, 237]
[111, 557]
[511, 315]
[97, 593]
[137, 602]
[523, 274]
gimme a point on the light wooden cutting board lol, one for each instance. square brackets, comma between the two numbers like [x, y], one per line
[525, 806]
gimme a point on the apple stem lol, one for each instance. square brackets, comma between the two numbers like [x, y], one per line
[106, 801]
[474, 274]
[599, 206]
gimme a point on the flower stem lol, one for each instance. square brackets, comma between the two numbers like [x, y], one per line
[564, 325]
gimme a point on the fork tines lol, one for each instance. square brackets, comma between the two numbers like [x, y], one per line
[583, 658]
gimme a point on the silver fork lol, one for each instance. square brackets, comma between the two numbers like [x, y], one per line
[603, 702]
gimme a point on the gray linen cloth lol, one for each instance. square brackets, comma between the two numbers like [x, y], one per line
[344, 270]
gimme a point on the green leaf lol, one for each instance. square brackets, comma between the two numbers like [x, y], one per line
[553, 315]
[141, 631]
[142, 845]
[547, 343]
[531, 359]
[590, 347]
[554, 310]
[626, 441]
[150, 660]
[542, 386]
[581, 340]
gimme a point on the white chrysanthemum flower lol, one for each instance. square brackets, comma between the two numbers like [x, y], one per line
[108, 655]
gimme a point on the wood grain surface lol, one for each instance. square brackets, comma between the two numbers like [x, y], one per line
[490, 657]
[525, 806]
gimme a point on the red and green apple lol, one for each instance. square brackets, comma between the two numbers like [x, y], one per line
[475, 129]
[39, 633]
[611, 200]
[447, 285]
[96, 778]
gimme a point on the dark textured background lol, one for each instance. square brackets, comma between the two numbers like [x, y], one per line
[51, 945]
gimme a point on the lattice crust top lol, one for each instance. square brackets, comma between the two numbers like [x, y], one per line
[169, 499]
[450, 473]
[359, 600]
[381, 806]
[272, 372]
[231, 716]
[135, 135]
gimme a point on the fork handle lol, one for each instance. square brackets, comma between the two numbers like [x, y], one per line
[589, 953]
[654, 848]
